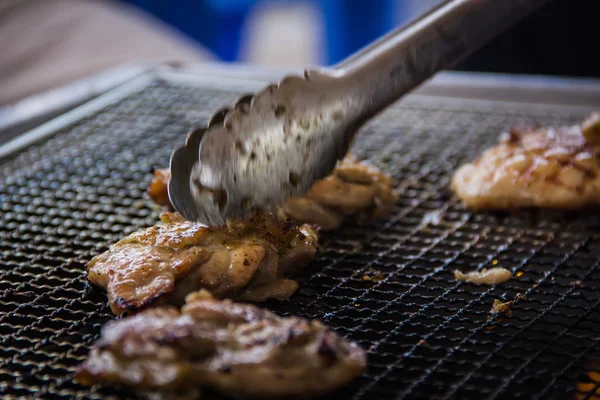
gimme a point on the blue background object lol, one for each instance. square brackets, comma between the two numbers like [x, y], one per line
[218, 24]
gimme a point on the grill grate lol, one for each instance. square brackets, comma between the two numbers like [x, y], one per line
[67, 198]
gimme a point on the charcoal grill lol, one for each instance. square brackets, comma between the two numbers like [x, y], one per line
[77, 184]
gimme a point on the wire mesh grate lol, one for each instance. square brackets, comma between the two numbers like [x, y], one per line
[67, 198]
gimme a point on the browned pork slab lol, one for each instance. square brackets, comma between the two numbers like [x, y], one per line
[251, 260]
[237, 349]
[542, 167]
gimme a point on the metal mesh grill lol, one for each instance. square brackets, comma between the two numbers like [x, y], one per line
[68, 198]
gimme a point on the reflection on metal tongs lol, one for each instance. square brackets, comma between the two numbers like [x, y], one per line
[276, 143]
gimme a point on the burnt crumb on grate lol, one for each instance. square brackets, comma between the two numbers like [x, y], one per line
[373, 275]
[500, 308]
[70, 196]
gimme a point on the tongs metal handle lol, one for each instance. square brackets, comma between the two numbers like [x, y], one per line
[393, 65]
[276, 143]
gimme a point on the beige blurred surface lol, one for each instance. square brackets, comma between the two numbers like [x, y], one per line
[49, 43]
[45, 44]
[292, 33]
[284, 35]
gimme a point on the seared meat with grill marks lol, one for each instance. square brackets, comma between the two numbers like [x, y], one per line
[237, 349]
[543, 167]
[353, 189]
[250, 260]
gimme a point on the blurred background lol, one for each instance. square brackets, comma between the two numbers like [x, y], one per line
[560, 39]
[284, 32]
[46, 44]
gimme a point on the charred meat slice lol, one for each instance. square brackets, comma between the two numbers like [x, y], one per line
[158, 189]
[165, 262]
[542, 167]
[237, 349]
[354, 189]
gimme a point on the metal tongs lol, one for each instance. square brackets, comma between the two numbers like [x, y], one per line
[275, 144]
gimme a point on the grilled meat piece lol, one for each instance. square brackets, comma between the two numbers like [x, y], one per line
[158, 187]
[590, 127]
[164, 263]
[237, 349]
[544, 167]
[492, 276]
[353, 189]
